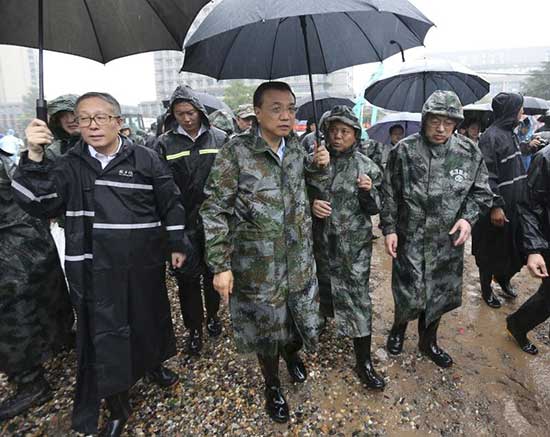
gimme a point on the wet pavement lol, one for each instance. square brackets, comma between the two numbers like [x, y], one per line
[493, 389]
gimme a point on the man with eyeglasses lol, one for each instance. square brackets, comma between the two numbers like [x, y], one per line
[190, 149]
[435, 188]
[257, 224]
[116, 198]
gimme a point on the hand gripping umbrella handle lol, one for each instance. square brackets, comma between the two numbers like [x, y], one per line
[42, 110]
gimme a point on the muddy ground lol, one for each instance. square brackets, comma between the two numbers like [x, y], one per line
[494, 389]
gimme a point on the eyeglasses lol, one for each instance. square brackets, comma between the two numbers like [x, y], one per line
[100, 120]
[436, 122]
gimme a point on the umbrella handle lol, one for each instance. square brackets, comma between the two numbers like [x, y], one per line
[42, 110]
[400, 48]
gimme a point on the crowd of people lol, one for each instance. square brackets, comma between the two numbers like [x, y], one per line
[243, 211]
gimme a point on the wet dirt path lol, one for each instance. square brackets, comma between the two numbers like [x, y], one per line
[494, 389]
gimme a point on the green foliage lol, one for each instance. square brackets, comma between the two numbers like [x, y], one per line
[538, 83]
[238, 94]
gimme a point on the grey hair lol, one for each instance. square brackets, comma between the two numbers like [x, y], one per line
[103, 96]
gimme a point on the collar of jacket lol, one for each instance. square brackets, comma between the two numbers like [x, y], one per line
[80, 149]
[258, 145]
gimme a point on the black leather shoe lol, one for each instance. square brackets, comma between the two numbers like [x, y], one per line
[521, 338]
[214, 327]
[26, 397]
[491, 300]
[163, 376]
[194, 342]
[369, 377]
[113, 428]
[396, 338]
[508, 292]
[276, 405]
[296, 369]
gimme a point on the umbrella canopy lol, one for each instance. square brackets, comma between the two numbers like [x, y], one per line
[106, 30]
[534, 105]
[264, 40]
[481, 112]
[409, 121]
[269, 40]
[407, 87]
[212, 103]
[101, 30]
[324, 101]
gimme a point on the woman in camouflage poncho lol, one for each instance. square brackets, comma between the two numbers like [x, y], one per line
[343, 237]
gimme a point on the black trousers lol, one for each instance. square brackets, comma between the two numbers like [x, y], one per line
[190, 293]
[535, 310]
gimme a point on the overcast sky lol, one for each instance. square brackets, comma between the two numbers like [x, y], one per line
[460, 25]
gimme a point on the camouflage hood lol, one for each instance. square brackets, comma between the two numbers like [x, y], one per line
[186, 94]
[222, 120]
[445, 103]
[64, 103]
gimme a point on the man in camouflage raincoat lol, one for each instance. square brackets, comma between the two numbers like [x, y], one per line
[36, 313]
[343, 237]
[257, 226]
[435, 187]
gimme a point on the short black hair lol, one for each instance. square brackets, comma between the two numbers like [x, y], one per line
[103, 96]
[266, 86]
[396, 126]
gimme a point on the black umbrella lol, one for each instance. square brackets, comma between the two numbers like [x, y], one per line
[323, 101]
[409, 121]
[534, 105]
[407, 87]
[269, 40]
[212, 103]
[101, 30]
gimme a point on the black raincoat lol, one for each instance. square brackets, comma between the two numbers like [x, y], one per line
[114, 261]
[534, 212]
[190, 162]
[496, 249]
[36, 313]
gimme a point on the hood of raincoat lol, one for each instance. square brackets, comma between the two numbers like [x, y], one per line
[505, 109]
[64, 103]
[444, 103]
[183, 93]
[222, 120]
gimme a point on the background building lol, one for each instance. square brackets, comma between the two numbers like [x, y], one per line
[168, 77]
[505, 69]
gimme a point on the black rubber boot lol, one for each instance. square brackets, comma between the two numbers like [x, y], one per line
[508, 291]
[428, 343]
[363, 365]
[520, 337]
[489, 297]
[275, 402]
[28, 394]
[296, 367]
[396, 338]
[162, 376]
[119, 407]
